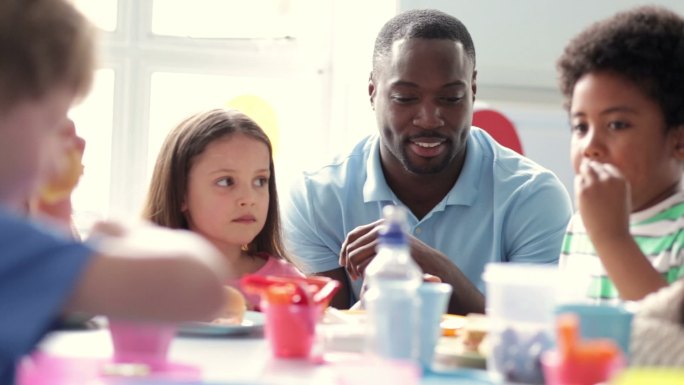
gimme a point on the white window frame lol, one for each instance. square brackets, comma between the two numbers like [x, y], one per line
[134, 54]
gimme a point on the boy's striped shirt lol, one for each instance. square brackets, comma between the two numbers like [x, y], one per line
[659, 232]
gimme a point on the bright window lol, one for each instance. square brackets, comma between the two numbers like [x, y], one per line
[162, 60]
[93, 119]
[223, 18]
[294, 126]
[103, 13]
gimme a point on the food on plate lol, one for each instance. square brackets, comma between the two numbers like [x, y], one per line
[474, 332]
[234, 309]
[463, 345]
[60, 186]
[452, 325]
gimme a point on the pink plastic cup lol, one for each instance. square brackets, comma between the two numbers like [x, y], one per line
[290, 329]
[142, 343]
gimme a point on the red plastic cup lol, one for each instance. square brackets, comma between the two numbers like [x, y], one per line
[141, 343]
[559, 372]
[290, 329]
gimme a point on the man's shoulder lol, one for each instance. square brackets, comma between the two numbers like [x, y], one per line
[515, 176]
[344, 167]
[510, 166]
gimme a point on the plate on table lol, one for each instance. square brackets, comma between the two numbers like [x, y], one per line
[457, 376]
[451, 324]
[252, 321]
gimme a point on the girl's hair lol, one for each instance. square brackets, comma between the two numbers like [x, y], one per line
[169, 184]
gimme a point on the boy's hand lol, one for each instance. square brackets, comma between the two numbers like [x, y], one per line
[603, 200]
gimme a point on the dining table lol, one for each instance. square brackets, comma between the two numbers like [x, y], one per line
[241, 358]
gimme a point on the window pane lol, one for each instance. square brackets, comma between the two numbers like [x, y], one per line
[102, 13]
[287, 109]
[94, 121]
[223, 18]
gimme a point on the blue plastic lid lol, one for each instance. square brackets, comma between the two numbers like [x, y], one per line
[394, 231]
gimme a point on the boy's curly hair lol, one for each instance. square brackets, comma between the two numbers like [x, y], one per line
[645, 45]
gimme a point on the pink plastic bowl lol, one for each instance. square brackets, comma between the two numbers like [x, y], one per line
[144, 343]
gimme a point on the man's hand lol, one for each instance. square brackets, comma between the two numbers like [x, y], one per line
[358, 249]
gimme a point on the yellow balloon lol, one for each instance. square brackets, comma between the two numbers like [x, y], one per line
[261, 112]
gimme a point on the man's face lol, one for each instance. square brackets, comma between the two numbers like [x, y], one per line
[31, 142]
[423, 96]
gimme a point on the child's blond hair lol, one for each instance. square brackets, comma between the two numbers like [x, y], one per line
[44, 44]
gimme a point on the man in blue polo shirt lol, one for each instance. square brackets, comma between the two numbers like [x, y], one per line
[472, 201]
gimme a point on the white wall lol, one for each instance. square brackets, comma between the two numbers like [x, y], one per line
[518, 42]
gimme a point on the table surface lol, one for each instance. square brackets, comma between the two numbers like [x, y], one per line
[247, 359]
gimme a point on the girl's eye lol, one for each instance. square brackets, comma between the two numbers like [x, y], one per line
[261, 182]
[225, 182]
[618, 125]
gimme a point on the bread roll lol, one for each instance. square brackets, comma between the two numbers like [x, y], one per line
[234, 309]
[60, 187]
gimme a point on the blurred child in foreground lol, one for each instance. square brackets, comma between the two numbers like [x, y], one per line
[46, 63]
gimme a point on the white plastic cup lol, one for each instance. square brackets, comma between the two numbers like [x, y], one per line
[434, 299]
[520, 308]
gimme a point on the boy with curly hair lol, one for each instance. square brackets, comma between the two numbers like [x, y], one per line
[623, 80]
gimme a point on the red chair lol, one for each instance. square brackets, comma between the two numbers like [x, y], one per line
[499, 127]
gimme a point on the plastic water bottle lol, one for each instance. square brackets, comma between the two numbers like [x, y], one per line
[391, 299]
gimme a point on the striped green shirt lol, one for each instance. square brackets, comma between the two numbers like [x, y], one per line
[659, 232]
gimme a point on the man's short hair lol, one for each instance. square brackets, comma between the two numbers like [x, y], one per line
[423, 24]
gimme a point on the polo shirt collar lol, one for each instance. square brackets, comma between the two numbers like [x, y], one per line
[375, 187]
[464, 192]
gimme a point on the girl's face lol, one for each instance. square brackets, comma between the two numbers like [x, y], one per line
[614, 122]
[227, 198]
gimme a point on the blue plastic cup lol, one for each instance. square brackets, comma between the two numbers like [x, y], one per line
[434, 298]
[602, 321]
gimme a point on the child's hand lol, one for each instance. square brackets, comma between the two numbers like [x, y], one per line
[144, 239]
[603, 200]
